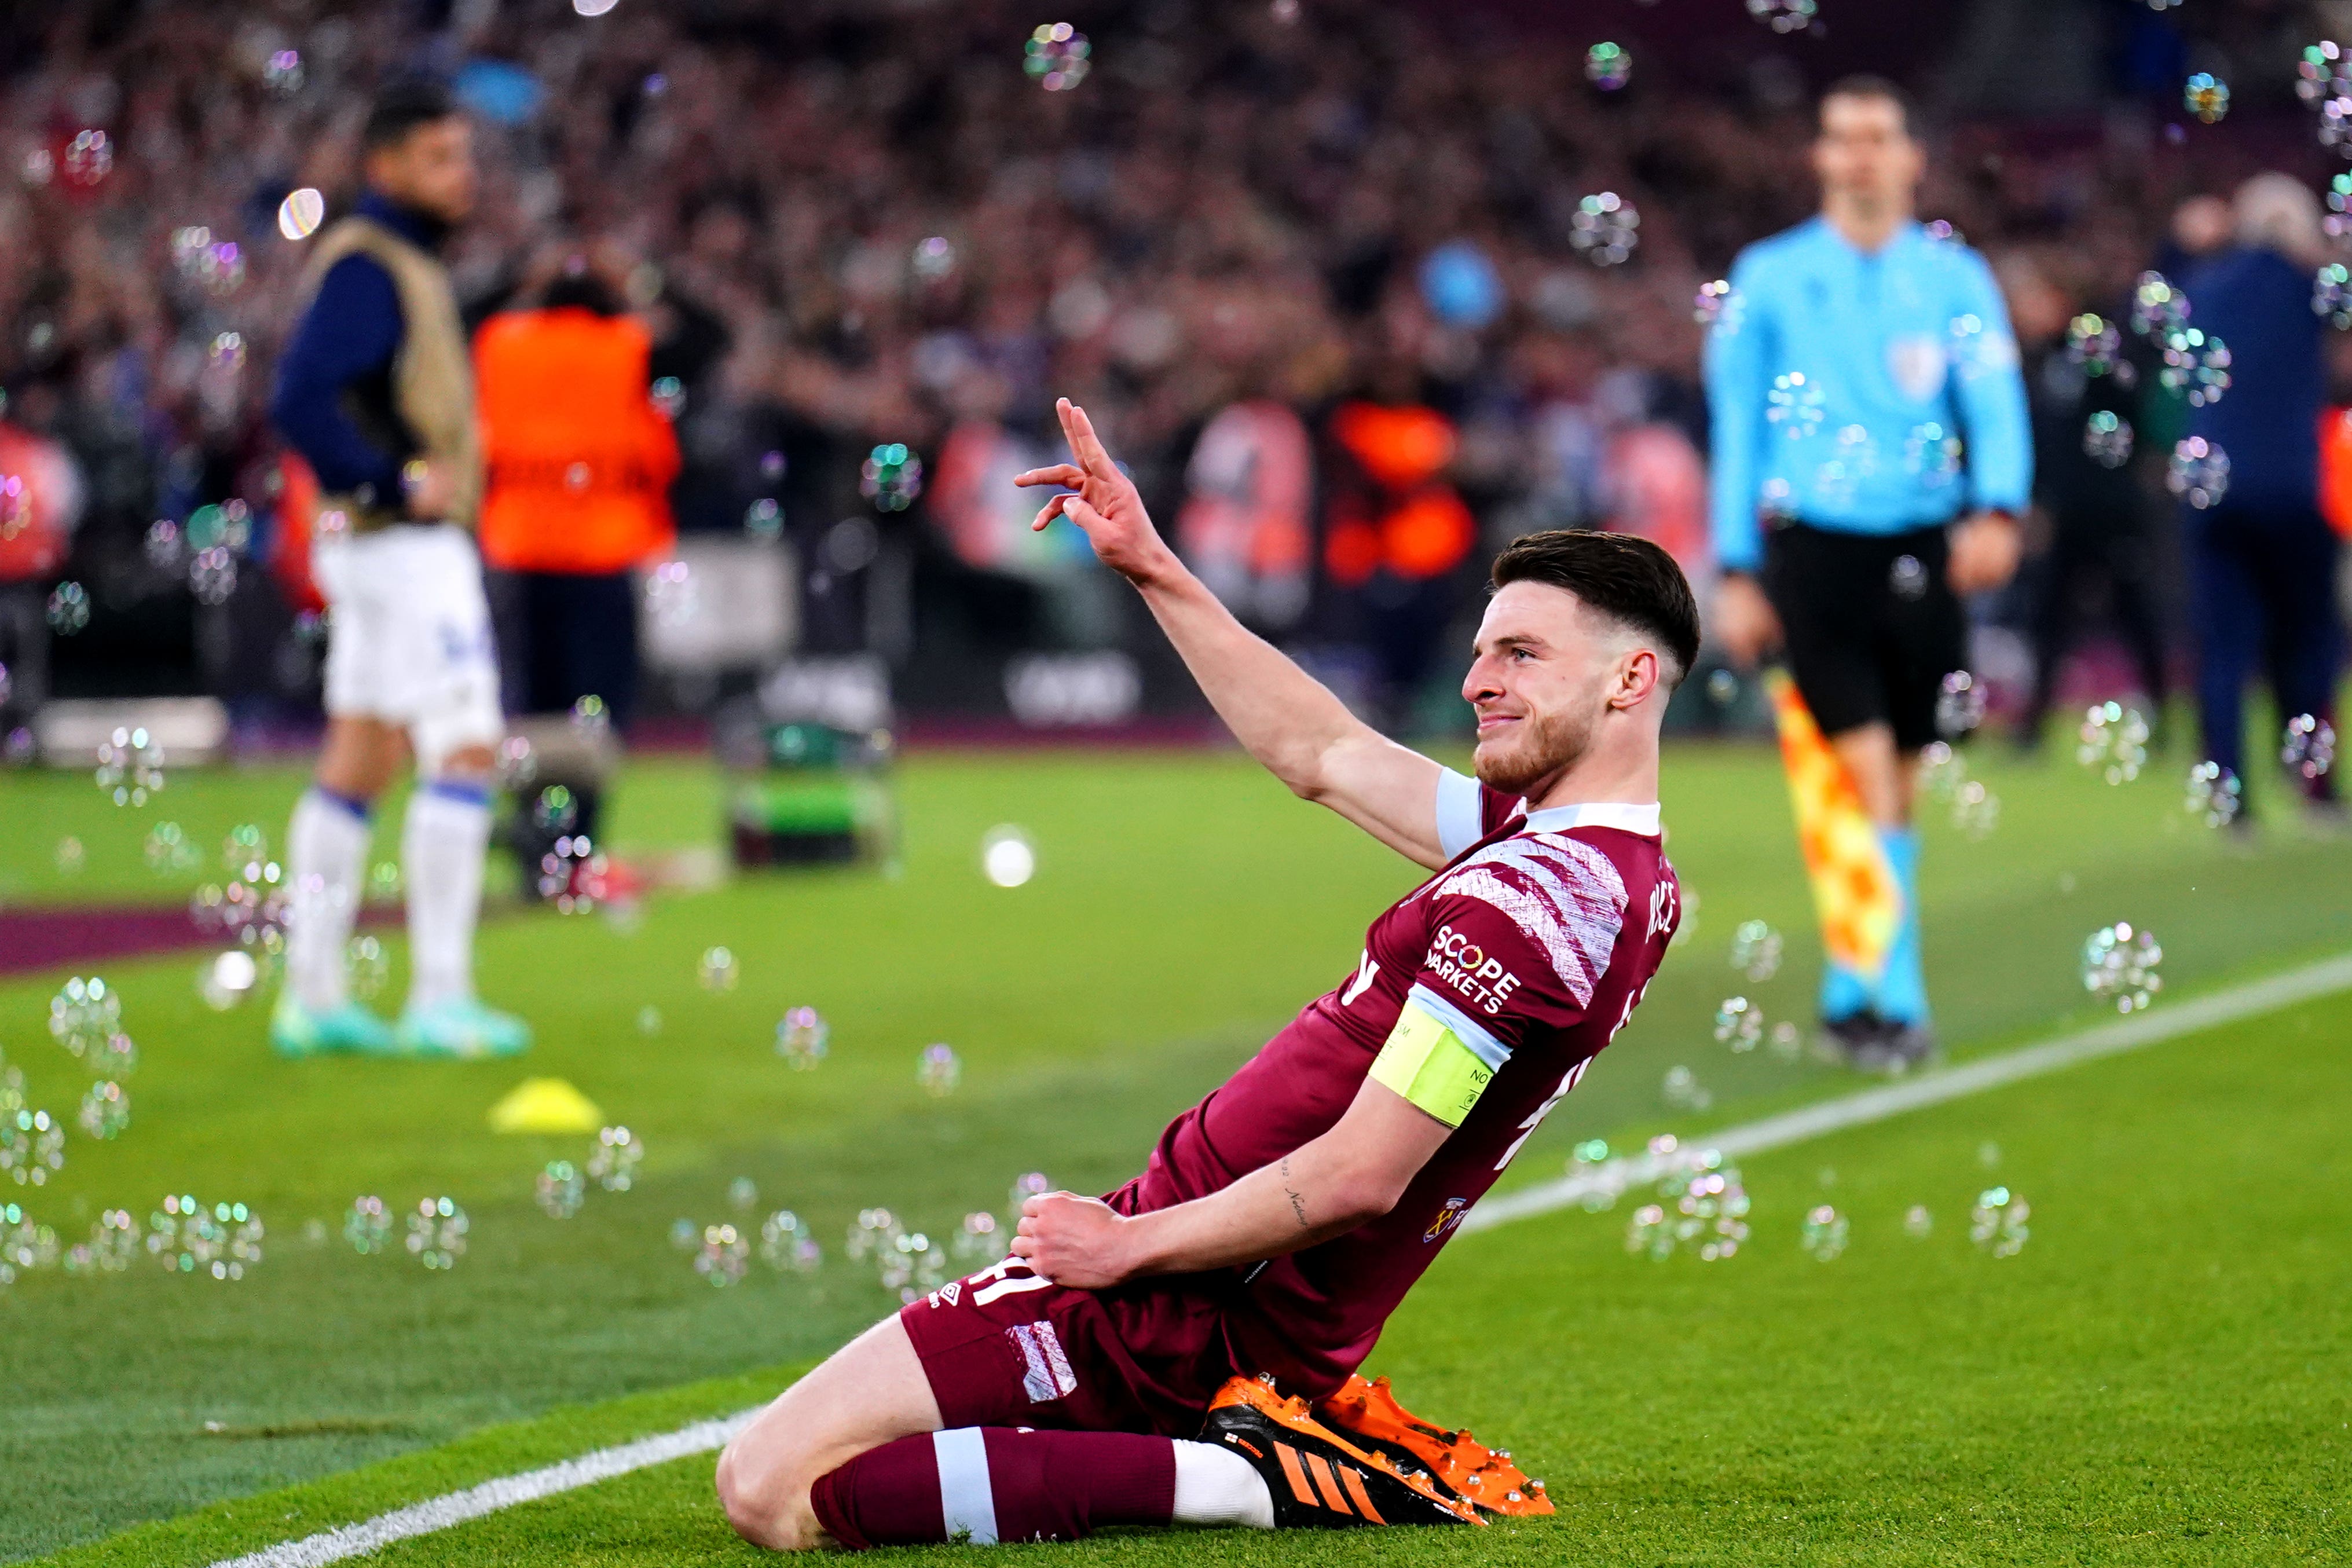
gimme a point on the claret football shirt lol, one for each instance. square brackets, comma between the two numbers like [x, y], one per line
[1481, 996]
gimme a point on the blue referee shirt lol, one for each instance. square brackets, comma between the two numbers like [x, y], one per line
[1862, 393]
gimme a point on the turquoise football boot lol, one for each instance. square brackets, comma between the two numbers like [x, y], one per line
[460, 1026]
[349, 1029]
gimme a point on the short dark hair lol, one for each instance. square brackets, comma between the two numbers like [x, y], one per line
[400, 107]
[1624, 576]
[1863, 85]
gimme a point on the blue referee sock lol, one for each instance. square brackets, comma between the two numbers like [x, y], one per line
[1902, 991]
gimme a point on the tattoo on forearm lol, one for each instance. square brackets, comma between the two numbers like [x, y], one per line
[1298, 1204]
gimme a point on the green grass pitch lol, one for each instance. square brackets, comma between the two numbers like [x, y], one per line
[2160, 1376]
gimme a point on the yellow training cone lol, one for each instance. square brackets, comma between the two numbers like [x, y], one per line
[545, 1105]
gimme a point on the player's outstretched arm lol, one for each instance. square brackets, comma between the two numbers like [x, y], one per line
[1304, 736]
[1326, 1187]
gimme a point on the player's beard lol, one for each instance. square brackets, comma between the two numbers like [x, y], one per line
[1547, 745]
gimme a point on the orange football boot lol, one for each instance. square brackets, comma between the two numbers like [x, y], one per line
[1462, 1466]
[1317, 1478]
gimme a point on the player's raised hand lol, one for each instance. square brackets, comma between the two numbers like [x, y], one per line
[1072, 1240]
[1100, 499]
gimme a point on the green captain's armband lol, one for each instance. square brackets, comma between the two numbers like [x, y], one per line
[1426, 1063]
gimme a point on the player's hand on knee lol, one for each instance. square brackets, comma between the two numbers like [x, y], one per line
[1745, 621]
[1073, 1240]
[1985, 550]
[1101, 500]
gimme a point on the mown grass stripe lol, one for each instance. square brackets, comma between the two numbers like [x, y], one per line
[506, 1492]
[2254, 997]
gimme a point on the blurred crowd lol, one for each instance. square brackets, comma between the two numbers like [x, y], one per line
[1354, 292]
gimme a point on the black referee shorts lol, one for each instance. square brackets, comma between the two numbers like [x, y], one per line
[1871, 624]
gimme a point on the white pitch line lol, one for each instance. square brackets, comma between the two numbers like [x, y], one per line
[2255, 998]
[441, 1512]
[2321, 979]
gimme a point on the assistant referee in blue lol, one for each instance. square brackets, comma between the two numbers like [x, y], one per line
[1872, 454]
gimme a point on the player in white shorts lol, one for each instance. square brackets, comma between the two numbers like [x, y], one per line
[375, 391]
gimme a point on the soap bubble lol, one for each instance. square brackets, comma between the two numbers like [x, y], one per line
[1608, 66]
[1794, 404]
[437, 1233]
[938, 1070]
[2107, 439]
[764, 519]
[1998, 1222]
[1786, 1041]
[723, 1255]
[384, 884]
[1006, 856]
[1756, 950]
[671, 596]
[184, 1236]
[2094, 343]
[2308, 746]
[1057, 56]
[228, 978]
[1823, 1234]
[367, 966]
[891, 476]
[2331, 289]
[1942, 771]
[1702, 1209]
[282, 74]
[2158, 308]
[105, 1110]
[299, 214]
[2120, 964]
[69, 855]
[68, 608]
[1605, 228]
[979, 1241]
[2199, 472]
[935, 258]
[1738, 1025]
[910, 1264]
[83, 1013]
[2206, 96]
[1907, 577]
[785, 1243]
[2195, 363]
[1681, 1090]
[684, 1234]
[32, 1146]
[801, 1038]
[2214, 795]
[167, 849]
[2321, 73]
[1715, 304]
[114, 1242]
[1976, 810]
[743, 1193]
[367, 1225]
[1785, 15]
[613, 1164]
[871, 1235]
[1033, 1184]
[1722, 687]
[555, 811]
[1932, 453]
[716, 970]
[591, 718]
[560, 1189]
[25, 1244]
[1959, 705]
[130, 766]
[89, 157]
[649, 1020]
[1916, 1221]
[2113, 740]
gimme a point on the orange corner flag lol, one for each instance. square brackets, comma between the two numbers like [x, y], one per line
[1854, 891]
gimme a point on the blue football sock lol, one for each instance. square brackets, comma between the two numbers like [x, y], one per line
[1902, 991]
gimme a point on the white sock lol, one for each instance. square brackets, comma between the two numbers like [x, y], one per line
[326, 852]
[441, 851]
[1215, 1486]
